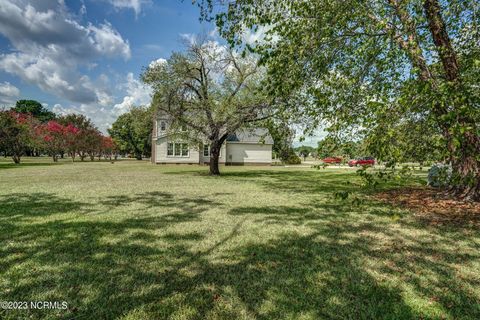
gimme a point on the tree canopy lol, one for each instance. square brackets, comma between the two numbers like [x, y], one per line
[132, 132]
[72, 134]
[210, 90]
[35, 109]
[305, 151]
[358, 62]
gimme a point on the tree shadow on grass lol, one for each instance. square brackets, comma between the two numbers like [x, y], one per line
[31, 205]
[409, 259]
[348, 266]
[94, 265]
[311, 182]
[4, 166]
[110, 279]
[184, 207]
[343, 269]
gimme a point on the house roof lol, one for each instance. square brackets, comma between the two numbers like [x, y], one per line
[257, 135]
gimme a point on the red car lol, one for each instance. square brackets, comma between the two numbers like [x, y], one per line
[332, 160]
[366, 161]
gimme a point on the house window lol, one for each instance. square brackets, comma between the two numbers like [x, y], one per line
[206, 150]
[161, 127]
[184, 150]
[175, 149]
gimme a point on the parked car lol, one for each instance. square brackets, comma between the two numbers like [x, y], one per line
[366, 161]
[332, 160]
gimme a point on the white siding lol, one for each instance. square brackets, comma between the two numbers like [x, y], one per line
[161, 154]
[249, 153]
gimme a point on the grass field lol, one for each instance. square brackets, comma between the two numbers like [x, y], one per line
[132, 240]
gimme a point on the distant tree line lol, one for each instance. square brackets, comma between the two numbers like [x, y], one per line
[30, 129]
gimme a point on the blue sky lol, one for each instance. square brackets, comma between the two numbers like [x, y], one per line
[86, 56]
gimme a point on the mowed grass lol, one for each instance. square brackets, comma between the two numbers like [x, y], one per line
[132, 240]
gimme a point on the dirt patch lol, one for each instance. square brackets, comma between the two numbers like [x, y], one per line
[433, 206]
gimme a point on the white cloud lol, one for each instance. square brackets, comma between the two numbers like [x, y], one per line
[259, 36]
[137, 95]
[8, 93]
[50, 46]
[188, 37]
[6, 89]
[108, 41]
[103, 116]
[135, 5]
[83, 9]
[153, 47]
[59, 109]
[156, 63]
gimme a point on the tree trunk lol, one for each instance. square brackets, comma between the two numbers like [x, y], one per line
[54, 158]
[464, 155]
[215, 148]
[466, 168]
[441, 39]
[16, 159]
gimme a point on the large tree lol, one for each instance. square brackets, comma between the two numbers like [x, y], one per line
[16, 133]
[51, 137]
[211, 91]
[82, 134]
[357, 60]
[35, 109]
[132, 132]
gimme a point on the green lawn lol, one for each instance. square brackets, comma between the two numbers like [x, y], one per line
[132, 240]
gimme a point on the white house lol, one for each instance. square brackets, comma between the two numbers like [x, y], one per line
[245, 147]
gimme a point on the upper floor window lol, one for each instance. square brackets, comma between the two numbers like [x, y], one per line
[163, 126]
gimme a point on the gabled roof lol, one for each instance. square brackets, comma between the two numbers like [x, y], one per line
[250, 135]
[257, 135]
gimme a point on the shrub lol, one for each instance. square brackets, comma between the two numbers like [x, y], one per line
[439, 175]
[293, 159]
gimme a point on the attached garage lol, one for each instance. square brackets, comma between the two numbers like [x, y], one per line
[248, 153]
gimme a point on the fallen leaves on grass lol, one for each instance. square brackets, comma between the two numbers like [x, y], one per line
[432, 206]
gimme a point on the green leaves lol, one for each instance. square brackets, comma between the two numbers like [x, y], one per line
[132, 131]
[385, 69]
[35, 109]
